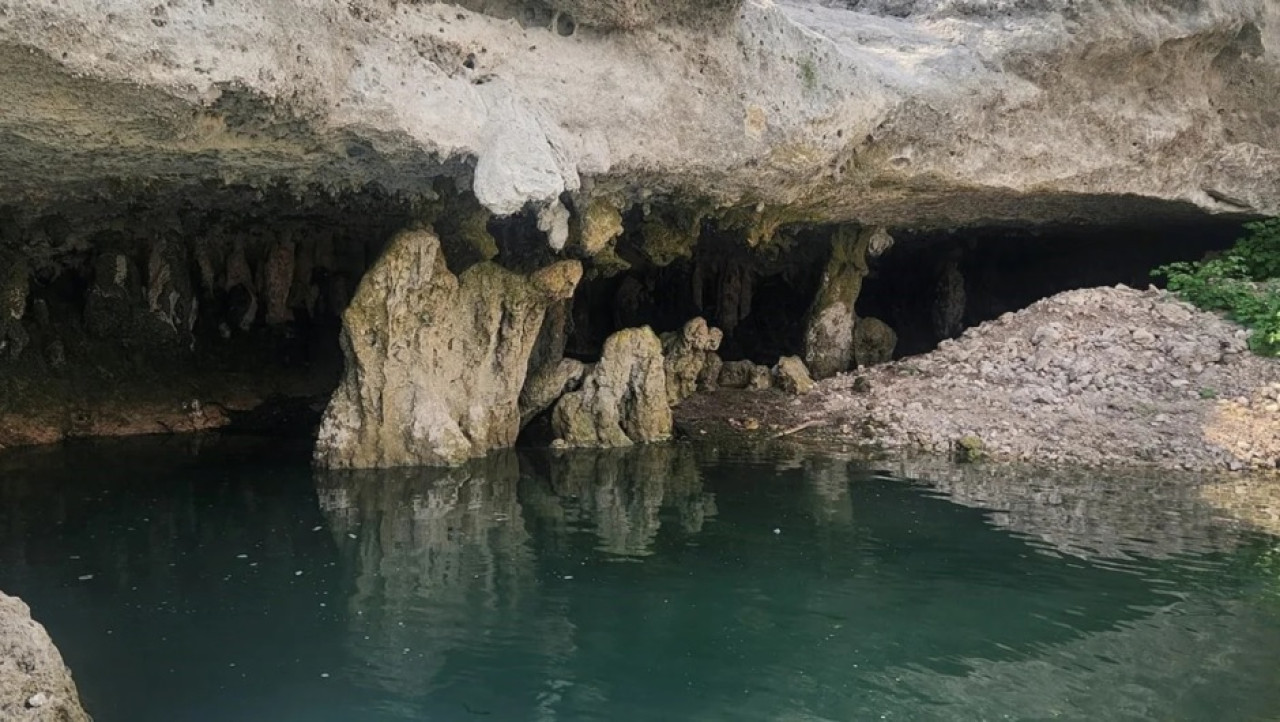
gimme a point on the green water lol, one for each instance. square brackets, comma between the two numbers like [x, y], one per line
[223, 580]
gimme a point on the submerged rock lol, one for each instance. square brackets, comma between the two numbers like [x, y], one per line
[624, 398]
[435, 362]
[35, 684]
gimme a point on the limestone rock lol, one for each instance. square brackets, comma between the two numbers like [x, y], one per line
[278, 280]
[624, 398]
[828, 336]
[709, 377]
[686, 357]
[598, 226]
[816, 117]
[434, 362]
[873, 342]
[170, 293]
[634, 14]
[735, 374]
[14, 288]
[949, 300]
[760, 378]
[791, 376]
[35, 684]
[544, 387]
[111, 303]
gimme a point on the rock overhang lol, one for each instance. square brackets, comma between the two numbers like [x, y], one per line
[952, 114]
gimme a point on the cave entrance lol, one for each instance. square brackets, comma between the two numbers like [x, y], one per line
[150, 312]
[928, 286]
[931, 286]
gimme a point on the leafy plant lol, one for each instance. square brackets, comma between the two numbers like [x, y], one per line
[1243, 282]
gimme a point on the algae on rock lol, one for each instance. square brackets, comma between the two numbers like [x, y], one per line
[828, 336]
[435, 362]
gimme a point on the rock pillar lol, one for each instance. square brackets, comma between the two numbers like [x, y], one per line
[435, 362]
[828, 336]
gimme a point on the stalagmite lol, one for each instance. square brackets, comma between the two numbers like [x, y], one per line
[623, 400]
[435, 362]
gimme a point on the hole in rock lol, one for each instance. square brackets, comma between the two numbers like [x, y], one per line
[930, 286]
[154, 312]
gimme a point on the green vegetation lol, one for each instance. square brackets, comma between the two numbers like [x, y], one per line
[1243, 282]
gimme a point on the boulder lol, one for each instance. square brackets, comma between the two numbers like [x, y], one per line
[544, 387]
[35, 684]
[624, 398]
[686, 357]
[736, 374]
[435, 362]
[760, 378]
[873, 342]
[791, 376]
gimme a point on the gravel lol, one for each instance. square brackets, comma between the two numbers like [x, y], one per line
[1098, 376]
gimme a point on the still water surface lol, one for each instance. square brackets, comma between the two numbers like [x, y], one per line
[217, 580]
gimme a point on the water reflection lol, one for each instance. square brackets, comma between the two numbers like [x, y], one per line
[618, 494]
[1088, 513]
[760, 584]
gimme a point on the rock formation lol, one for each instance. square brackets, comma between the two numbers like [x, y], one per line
[435, 362]
[828, 335]
[873, 342]
[791, 376]
[624, 398]
[686, 358]
[619, 134]
[35, 685]
[917, 112]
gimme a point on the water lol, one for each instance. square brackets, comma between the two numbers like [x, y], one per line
[221, 580]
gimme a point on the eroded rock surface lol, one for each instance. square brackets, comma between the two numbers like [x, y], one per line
[923, 112]
[35, 685]
[623, 400]
[435, 362]
[686, 358]
[828, 335]
[791, 376]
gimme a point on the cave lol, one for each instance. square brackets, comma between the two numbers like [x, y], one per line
[150, 311]
[928, 286]
[144, 311]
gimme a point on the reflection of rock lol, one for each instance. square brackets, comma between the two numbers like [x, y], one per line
[620, 491]
[624, 398]
[35, 685]
[1255, 501]
[435, 362]
[1128, 668]
[1083, 512]
[432, 554]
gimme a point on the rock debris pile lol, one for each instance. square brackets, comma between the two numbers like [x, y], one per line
[1095, 376]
